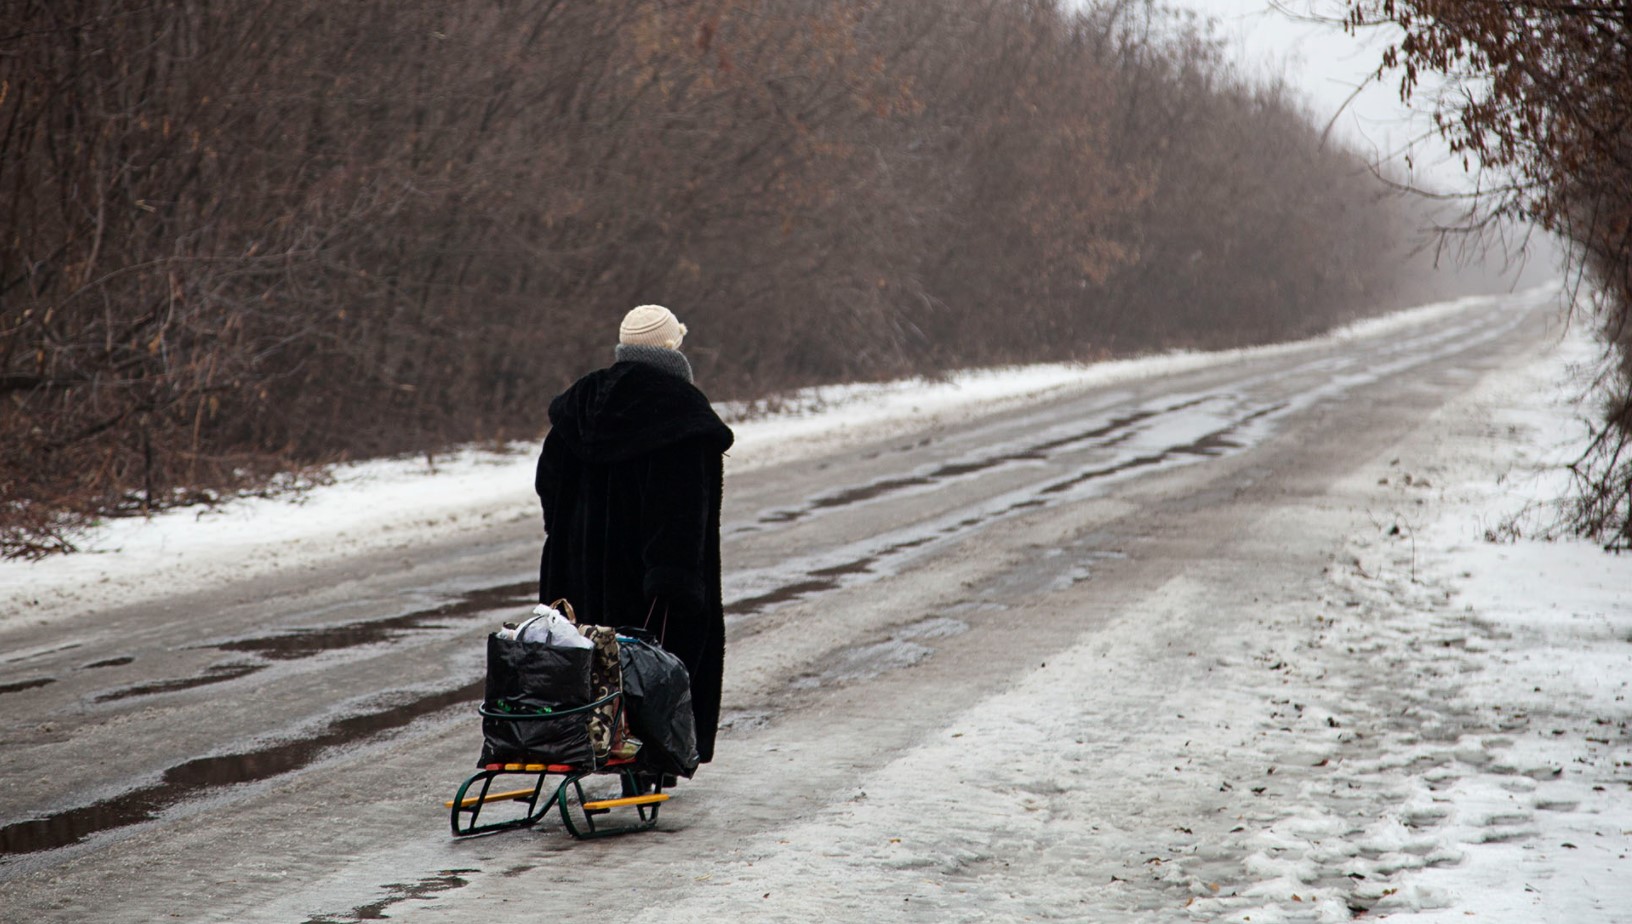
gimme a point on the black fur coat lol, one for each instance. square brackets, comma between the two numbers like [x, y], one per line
[631, 479]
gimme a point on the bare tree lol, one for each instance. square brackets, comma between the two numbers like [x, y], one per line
[1543, 111]
[239, 240]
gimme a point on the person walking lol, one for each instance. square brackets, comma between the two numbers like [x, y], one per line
[631, 479]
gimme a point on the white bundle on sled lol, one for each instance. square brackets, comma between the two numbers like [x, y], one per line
[548, 627]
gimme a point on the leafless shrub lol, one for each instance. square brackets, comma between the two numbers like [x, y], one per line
[237, 239]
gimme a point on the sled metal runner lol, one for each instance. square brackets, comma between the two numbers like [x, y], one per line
[582, 816]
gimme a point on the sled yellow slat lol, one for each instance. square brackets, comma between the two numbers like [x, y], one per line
[647, 799]
[493, 797]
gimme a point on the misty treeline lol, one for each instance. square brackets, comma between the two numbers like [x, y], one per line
[1539, 102]
[236, 238]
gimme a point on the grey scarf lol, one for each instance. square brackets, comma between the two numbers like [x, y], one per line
[673, 362]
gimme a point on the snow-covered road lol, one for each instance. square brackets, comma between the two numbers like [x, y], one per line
[1192, 638]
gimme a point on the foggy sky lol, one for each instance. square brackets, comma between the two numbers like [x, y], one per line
[1326, 65]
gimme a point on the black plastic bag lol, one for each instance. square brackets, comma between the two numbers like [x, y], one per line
[529, 681]
[657, 698]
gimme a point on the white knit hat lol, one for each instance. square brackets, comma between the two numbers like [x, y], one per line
[652, 325]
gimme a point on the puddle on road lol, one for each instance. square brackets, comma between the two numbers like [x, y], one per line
[1060, 487]
[304, 643]
[22, 685]
[819, 580]
[1111, 433]
[30, 654]
[216, 673]
[1219, 442]
[1210, 445]
[426, 889]
[1213, 444]
[203, 774]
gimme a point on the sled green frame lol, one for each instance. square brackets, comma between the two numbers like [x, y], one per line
[466, 808]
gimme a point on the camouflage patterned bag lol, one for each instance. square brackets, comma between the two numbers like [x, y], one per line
[608, 728]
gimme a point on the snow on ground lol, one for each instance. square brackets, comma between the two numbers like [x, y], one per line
[1483, 686]
[1459, 707]
[384, 504]
[1531, 800]
[1441, 736]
